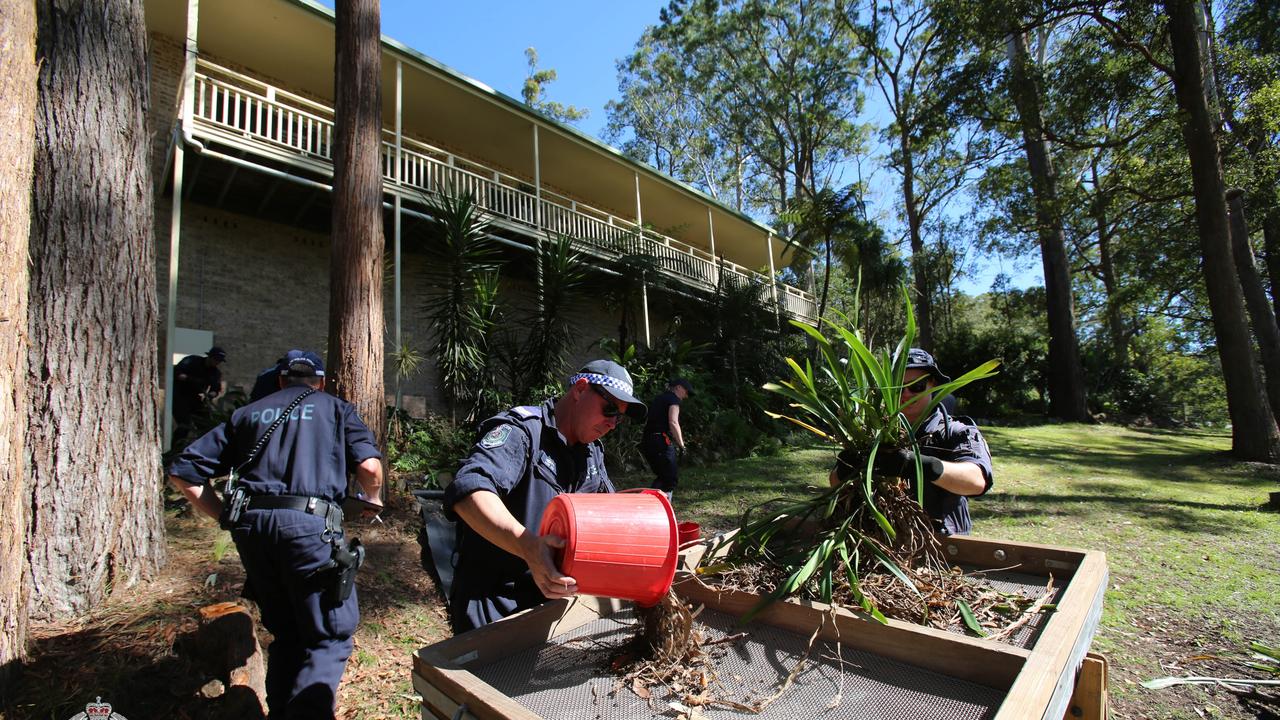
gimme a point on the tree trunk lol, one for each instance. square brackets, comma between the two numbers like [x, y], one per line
[1116, 334]
[1253, 427]
[355, 263]
[1067, 397]
[93, 442]
[919, 263]
[1261, 316]
[17, 125]
[1271, 246]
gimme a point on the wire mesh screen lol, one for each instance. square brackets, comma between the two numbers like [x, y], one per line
[568, 677]
[1028, 586]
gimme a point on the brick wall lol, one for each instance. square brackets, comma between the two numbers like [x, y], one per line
[263, 287]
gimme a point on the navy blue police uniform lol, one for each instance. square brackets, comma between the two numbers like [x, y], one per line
[309, 455]
[201, 377]
[953, 439]
[656, 445]
[522, 458]
[268, 381]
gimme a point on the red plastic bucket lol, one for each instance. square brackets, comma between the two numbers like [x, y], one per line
[688, 532]
[621, 545]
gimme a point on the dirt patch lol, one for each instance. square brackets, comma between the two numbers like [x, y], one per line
[129, 652]
[1163, 644]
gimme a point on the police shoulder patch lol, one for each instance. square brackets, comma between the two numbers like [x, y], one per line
[495, 437]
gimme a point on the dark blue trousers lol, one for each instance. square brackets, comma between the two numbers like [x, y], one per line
[312, 637]
[662, 460]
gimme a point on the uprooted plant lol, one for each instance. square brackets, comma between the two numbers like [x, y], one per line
[866, 541]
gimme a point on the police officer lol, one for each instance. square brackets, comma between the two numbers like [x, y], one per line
[196, 381]
[955, 458]
[268, 381]
[524, 457]
[292, 524]
[663, 436]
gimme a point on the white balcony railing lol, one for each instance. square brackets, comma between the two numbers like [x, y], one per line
[245, 110]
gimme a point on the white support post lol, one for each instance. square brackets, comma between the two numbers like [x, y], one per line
[537, 181]
[191, 51]
[644, 302]
[711, 232]
[644, 286]
[399, 180]
[773, 276]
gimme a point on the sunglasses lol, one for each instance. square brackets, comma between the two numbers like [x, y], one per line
[918, 385]
[611, 410]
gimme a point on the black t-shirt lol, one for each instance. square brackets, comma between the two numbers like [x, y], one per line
[201, 376]
[658, 420]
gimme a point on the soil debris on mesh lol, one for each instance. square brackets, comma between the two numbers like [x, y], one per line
[672, 653]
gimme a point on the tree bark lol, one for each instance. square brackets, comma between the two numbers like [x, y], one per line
[17, 125]
[1271, 247]
[1119, 339]
[1261, 317]
[93, 442]
[1253, 427]
[1067, 396]
[355, 262]
[919, 263]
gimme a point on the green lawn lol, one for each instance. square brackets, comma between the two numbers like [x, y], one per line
[1193, 554]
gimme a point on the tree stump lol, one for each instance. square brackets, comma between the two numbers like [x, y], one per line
[227, 646]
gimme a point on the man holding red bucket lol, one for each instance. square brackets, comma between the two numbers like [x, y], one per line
[524, 458]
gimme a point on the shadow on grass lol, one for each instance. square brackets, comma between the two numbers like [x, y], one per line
[1165, 513]
[1163, 465]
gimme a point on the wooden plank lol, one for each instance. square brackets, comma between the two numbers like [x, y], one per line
[521, 630]
[1089, 700]
[481, 699]
[1062, 643]
[436, 704]
[1020, 557]
[978, 661]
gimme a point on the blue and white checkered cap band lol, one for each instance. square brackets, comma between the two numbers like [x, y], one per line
[597, 379]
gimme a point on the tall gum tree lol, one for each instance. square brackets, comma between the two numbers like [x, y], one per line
[93, 441]
[356, 322]
[1253, 427]
[1067, 395]
[17, 124]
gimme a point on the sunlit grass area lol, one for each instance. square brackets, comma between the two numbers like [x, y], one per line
[1194, 554]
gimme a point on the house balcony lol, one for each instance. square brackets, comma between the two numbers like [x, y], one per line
[259, 119]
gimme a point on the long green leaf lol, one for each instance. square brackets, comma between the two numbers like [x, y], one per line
[970, 620]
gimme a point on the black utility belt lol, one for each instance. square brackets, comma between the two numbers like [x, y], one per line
[238, 502]
[302, 503]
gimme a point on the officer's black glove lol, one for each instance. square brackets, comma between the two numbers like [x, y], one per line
[902, 463]
[849, 463]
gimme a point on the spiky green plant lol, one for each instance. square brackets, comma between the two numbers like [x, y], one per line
[465, 255]
[864, 522]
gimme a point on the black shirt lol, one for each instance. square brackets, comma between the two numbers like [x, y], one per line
[658, 421]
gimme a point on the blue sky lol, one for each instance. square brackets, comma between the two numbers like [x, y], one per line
[582, 40]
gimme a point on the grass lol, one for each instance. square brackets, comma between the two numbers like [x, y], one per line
[1193, 555]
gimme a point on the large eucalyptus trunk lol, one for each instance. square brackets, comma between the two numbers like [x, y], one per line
[1067, 397]
[17, 126]
[1261, 317]
[1253, 427]
[93, 442]
[1271, 247]
[1118, 338]
[355, 261]
[919, 262]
